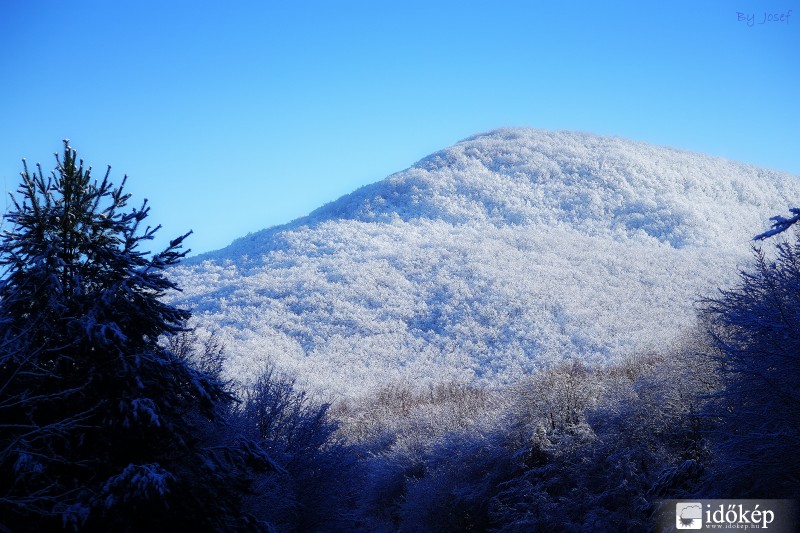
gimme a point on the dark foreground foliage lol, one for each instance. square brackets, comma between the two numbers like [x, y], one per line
[103, 428]
[755, 330]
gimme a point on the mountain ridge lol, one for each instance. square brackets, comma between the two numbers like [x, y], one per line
[361, 204]
[506, 251]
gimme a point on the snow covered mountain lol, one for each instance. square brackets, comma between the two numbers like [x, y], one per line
[510, 250]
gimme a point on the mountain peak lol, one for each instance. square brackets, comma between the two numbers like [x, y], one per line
[504, 252]
[600, 185]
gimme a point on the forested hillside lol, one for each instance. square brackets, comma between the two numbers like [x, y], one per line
[502, 254]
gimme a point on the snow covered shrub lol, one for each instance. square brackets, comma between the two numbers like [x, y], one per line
[453, 491]
[593, 448]
[319, 478]
[411, 436]
[398, 413]
[558, 397]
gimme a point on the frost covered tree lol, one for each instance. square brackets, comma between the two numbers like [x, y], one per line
[102, 427]
[320, 477]
[755, 329]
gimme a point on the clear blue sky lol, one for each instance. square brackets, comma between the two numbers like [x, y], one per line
[232, 116]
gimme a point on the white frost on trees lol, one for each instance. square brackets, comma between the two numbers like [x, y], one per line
[487, 260]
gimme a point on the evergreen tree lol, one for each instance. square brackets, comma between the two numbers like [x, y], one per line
[103, 428]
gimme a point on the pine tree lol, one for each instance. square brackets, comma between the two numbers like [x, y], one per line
[102, 427]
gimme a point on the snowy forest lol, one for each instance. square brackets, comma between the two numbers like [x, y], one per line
[128, 405]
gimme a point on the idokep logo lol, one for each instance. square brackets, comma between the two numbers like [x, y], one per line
[689, 515]
[775, 516]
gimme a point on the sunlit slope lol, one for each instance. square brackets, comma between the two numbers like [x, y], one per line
[507, 251]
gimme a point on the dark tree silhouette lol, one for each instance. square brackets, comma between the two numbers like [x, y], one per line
[103, 428]
[755, 329]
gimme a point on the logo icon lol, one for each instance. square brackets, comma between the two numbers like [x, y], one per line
[689, 515]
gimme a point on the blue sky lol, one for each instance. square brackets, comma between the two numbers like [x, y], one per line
[234, 116]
